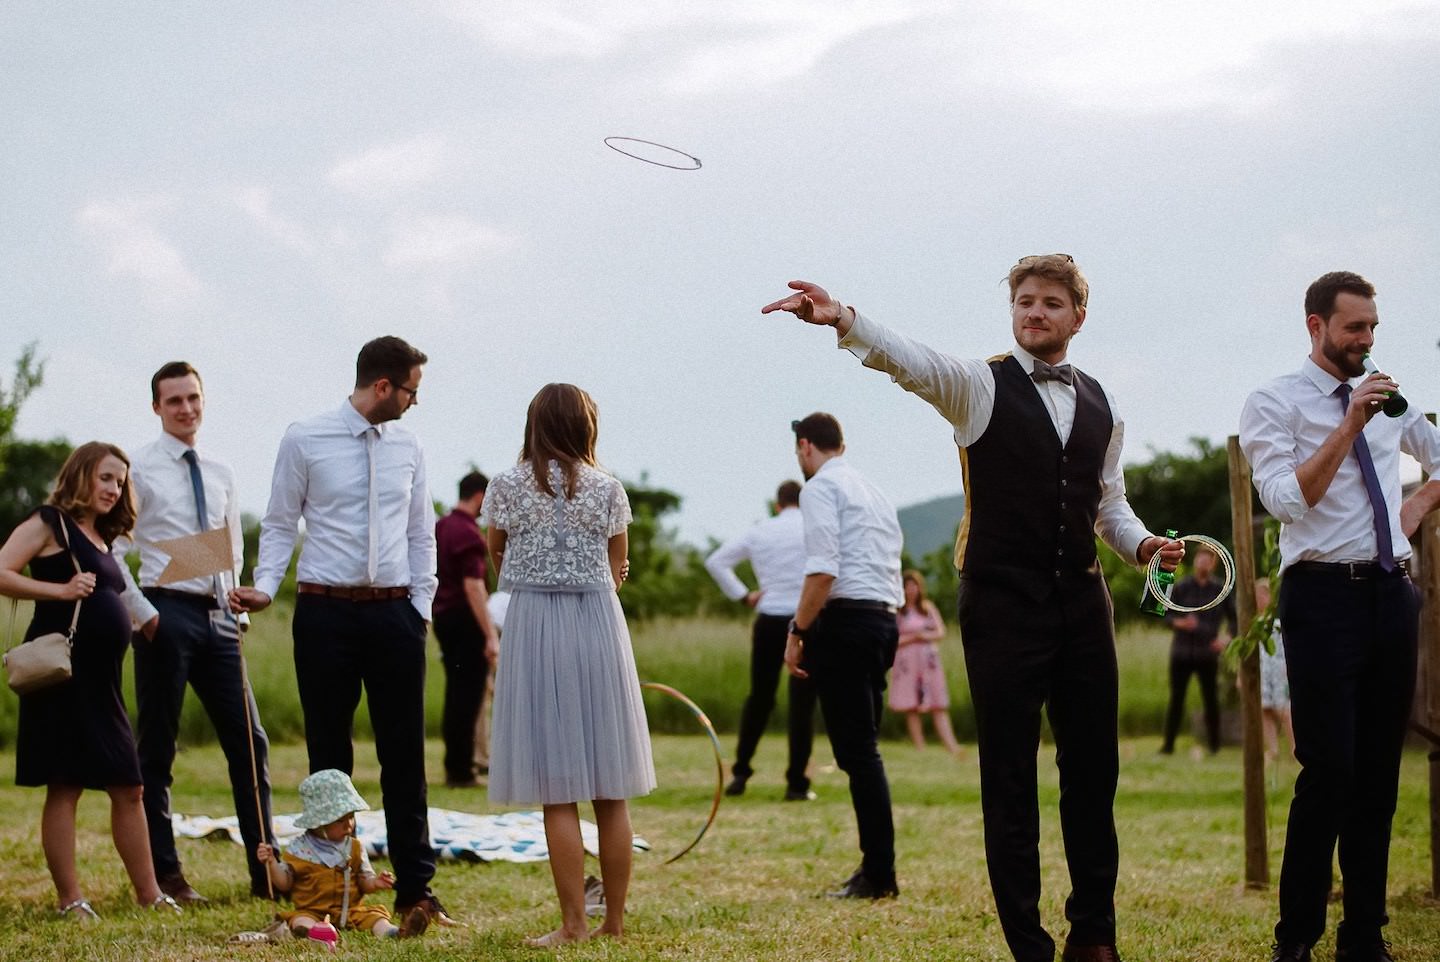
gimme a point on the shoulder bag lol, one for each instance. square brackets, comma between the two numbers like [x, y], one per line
[43, 661]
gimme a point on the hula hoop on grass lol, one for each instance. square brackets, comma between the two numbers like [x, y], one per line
[1227, 562]
[719, 760]
[629, 151]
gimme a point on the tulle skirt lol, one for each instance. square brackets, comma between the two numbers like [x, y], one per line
[569, 724]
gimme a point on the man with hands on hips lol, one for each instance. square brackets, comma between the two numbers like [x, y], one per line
[1040, 445]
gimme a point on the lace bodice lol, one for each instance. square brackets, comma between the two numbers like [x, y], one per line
[556, 541]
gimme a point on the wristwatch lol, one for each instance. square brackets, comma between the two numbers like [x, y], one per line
[799, 632]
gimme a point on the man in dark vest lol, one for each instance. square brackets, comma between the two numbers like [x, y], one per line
[1040, 456]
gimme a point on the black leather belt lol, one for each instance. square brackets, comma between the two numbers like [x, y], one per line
[864, 604]
[1353, 570]
[189, 597]
[356, 593]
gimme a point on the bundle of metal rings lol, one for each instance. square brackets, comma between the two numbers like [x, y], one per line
[1152, 574]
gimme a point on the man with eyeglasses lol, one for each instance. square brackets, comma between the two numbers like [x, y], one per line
[1040, 449]
[366, 583]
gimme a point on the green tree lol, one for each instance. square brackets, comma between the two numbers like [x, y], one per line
[27, 468]
[667, 578]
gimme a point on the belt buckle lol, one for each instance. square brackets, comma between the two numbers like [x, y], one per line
[1357, 570]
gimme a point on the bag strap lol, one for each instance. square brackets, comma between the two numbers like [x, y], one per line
[65, 534]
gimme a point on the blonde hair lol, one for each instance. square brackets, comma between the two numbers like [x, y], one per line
[1052, 267]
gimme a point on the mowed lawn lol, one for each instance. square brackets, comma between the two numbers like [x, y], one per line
[749, 891]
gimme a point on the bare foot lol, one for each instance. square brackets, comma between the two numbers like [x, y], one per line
[606, 930]
[552, 939]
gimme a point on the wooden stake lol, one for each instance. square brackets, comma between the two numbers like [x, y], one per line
[1257, 861]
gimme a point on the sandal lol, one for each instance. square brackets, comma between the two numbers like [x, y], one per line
[276, 931]
[81, 911]
[164, 903]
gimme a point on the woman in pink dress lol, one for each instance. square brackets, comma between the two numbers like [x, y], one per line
[917, 682]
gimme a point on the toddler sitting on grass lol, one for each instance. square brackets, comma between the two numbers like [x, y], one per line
[326, 871]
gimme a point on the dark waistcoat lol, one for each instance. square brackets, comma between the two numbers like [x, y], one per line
[1031, 503]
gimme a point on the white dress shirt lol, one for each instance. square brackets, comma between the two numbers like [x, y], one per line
[775, 548]
[1284, 423]
[165, 509]
[321, 475]
[963, 391]
[851, 533]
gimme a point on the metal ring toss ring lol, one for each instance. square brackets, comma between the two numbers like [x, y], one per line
[1227, 562]
[694, 162]
[719, 760]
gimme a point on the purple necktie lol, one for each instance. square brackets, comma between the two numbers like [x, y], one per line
[1384, 549]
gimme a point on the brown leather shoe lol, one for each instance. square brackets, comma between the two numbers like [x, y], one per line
[413, 923]
[180, 890]
[418, 916]
[1089, 953]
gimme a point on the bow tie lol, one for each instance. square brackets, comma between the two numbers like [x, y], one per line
[1052, 372]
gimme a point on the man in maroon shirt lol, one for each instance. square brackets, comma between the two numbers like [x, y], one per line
[468, 640]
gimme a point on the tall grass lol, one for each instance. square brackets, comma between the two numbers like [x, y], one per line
[708, 659]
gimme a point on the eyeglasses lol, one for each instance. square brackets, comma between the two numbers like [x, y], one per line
[413, 392]
[1032, 258]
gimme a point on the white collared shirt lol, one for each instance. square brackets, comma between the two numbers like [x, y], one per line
[321, 475]
[165, 509]
[851, 533]
[775, 549]
[1284, 423]
[963, 391]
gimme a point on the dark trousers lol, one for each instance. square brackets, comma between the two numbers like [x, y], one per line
[189, 648]
[1204, 670]
[847, 656]
[1032, 643]
[767, 659]
[1350, 650]
[462, 653]
[341, 646]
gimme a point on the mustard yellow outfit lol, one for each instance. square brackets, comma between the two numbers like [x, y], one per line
[324, 872]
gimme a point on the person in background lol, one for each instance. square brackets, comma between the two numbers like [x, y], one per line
[917, 682]
[469, 643]
[775, 549]
[1195, 648]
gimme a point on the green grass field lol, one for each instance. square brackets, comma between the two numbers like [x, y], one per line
[749, 890]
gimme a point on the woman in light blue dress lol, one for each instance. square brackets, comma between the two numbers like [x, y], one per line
[569, 724]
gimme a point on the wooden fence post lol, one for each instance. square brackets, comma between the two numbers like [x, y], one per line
[1257, 853]
[1427, 557]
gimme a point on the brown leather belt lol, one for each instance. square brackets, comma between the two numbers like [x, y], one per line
[357, 593]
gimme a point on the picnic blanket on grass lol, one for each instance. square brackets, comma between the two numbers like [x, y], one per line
[507, 837]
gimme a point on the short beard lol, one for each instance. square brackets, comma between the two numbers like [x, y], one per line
[1341, 359]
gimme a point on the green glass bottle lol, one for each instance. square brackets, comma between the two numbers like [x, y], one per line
[1149, 603]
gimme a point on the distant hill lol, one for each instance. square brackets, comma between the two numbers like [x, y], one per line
[931, 524]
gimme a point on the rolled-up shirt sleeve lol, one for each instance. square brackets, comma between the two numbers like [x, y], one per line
[1421, 440]
[721, 565]
[820, 505]
[1115, 520]
[1267, 437]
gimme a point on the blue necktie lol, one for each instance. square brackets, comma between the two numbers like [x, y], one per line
[1385, 550]
[198, 483]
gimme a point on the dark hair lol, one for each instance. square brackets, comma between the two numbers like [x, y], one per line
[821, 430]
[788, 494]
[389, 358]
[76, 483]
[472, 484]
[560, 425]
[1320, 296]
[166, 372]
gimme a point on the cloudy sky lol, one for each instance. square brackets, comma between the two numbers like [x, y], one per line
[261, 187]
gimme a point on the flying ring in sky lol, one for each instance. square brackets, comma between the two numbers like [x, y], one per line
[661, 156]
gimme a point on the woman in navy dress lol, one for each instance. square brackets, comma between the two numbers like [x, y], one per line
[76, 735]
